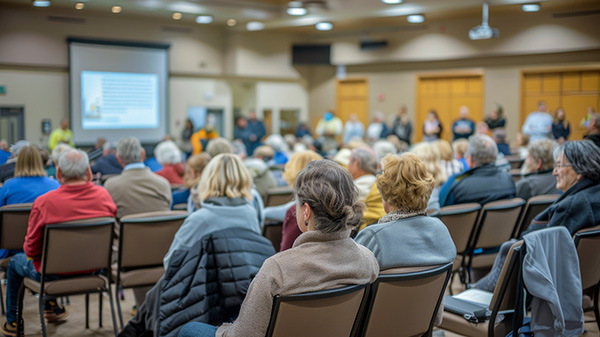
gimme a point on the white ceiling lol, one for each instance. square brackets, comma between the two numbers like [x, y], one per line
[344, 14]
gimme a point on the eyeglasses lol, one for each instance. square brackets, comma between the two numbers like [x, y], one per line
[558, 166]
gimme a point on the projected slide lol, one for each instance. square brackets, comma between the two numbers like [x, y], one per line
[111, 100]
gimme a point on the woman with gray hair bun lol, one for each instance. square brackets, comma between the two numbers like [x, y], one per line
[577, 172]
[323, 257]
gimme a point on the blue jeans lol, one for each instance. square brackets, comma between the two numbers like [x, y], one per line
[196, 329]
[19, 267]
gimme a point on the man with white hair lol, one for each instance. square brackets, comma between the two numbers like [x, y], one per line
[137, 189]
[363, 167]
[484, 182]
[77, 198]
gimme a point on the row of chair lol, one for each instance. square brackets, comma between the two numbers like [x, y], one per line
[402, 301]
[136, 265]
[478, 231]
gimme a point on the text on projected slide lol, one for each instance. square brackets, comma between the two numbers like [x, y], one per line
[119, 100]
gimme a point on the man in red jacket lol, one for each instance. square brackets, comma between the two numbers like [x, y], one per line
[76, 198]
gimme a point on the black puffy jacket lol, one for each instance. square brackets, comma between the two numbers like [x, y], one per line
[208, 282]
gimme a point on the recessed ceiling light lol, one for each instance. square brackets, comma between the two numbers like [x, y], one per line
[79, 6]
[177, 16]
[296, 11]
[417, 18]
[116, 9]
[324, 26]
[204, 19]
[530, 7]
[391, 1]
[231, 22]
[255, 25]
[41, 3]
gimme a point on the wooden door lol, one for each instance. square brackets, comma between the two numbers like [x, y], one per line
[352, 97]
[446, 94]
[574, 91]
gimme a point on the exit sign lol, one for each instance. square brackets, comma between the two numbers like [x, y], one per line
[2, 89]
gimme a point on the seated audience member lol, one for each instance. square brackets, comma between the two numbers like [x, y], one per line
[463, 127]
[290, 230]
[108, 163]
[193, 171]
[218, 146]
[168, 155]
[137, 189]
[98, 150]
[450, 165]
[430, 156]
[7, 170]
[459, 147]
[226, 201]
[382, 148]
[500, 139]
[342, 157]
[537, 170]
[259, 170]
[323, 257]
[302, 130]
[226, 205]
[30, 182]
[482, 129]
[401, 146]
[484, 182]
[4, 153]
[522, 142]
[222, 146]
[278, 145]
[577, 172]
[593, 127]
[363, 167]
[406, 236]
[77, 198]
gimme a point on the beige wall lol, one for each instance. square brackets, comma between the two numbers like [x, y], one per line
[397, 82]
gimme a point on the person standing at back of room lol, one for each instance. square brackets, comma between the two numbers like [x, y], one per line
[61, 135]
[538, 124]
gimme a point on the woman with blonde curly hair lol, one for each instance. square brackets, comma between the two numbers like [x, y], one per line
[430, 156]
[406, 236]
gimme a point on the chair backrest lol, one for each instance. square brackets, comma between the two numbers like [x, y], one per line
[504, 295]
[278, 196]
[77, 246]
[515, 161]
[145, 238]
[405, 301]
[460, 221]
[14, 220]
[587, 242]
[329, 313]
[497, 222]
[272, 230]
[534, 206]
[515, 174]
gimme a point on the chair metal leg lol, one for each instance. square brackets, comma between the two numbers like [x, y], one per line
[112, 310]
[597, 302]
[87, 310]
[100, 309]
[2, 300]
[42, 320]
[119, 305]
[20, 325]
